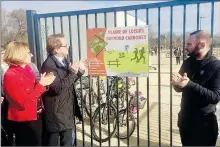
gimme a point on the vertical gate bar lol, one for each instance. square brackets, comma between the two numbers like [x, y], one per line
[46, 31]
[54, 31]
[70, 30]
[115, 25]
[61, 22]
[159, 81]
[31, 33]
[79, 45]
[70, 55]
[99, 98]
[38, 42]
[127, 109]
[100, 122]
[184, 31]
[108, 94]
[127, 105]
[137, 91]
[117, 118]
[90, 107]
[212, 23]
[70, 38]
[109, 139]
[198, 9]
[148, 92]
[171, 71]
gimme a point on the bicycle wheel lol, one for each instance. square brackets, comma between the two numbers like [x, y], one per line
[86, 103]
[123, 124]
[168, 55]
[107, 131]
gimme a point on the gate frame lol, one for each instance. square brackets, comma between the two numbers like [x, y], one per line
[33, 19]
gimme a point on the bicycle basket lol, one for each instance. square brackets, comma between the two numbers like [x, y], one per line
[141, 101]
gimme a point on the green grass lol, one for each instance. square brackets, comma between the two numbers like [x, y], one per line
[126, 65]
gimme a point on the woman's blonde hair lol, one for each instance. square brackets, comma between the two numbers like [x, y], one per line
[16, 53]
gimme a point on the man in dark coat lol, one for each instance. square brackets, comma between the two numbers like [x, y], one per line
[60, 101]
[177, 53]
[199, 82]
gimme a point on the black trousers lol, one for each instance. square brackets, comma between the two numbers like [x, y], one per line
[6, 131]
[52, 138]
[6, 134]
[202, 133]
[177, 60]
[28, 133]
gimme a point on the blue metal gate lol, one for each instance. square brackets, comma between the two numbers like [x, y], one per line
[74, 24]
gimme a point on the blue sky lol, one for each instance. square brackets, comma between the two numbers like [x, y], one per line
[61, 6]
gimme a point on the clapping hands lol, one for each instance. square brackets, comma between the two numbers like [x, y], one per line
[83, 65]
[78, 66]
[179, 81]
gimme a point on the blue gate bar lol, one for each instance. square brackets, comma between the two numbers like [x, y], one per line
[115, 25]
[99, 98]
[70, 37]
[148, 87]
[79, 46]
[46, 31]
[31, 33]
[184, 30]
[90, 106]
[78, 34]
[159, 88]
[127, 105]
[125, 8]
[137, 89]
[54, 29]
[198, 17]
[107, 80]
[212, 23]
[171, 71]
[38, 42]
[61, 24]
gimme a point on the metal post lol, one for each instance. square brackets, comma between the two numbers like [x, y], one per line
[31, 33]
[201, 17]
[212, 23]
[171, 71]
[159, 79]
[198, 9]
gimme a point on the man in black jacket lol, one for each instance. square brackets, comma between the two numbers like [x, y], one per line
[177, 53]
[199, 82]
[60, 101]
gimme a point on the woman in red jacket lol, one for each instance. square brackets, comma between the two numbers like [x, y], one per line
[22, 91]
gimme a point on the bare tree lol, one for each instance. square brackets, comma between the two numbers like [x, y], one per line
[4, 30]
[14, 26]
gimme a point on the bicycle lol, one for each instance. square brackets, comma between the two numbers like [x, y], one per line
[94, 97]
[109, 109]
